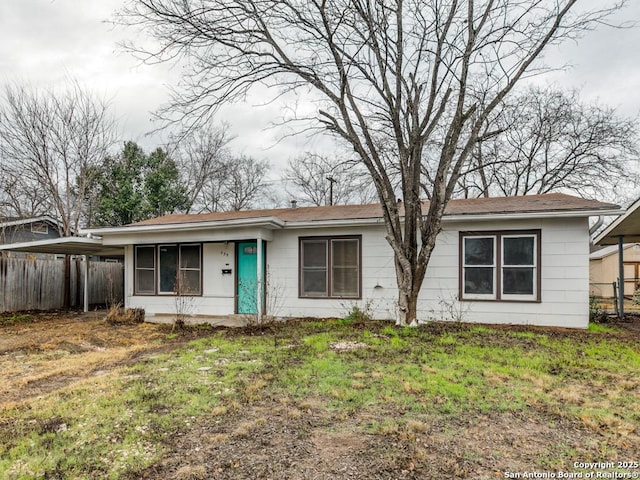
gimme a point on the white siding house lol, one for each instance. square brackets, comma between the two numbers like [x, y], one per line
[521, 260]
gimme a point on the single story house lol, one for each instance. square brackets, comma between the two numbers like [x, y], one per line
[516, 260]
[603, 270]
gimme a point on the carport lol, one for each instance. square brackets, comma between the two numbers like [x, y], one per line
[625, 228]
[79, 246]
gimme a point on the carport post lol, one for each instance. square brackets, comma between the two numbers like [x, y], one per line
[621, 276]
[86, 283]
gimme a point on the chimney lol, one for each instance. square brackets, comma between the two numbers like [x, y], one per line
[294, 203]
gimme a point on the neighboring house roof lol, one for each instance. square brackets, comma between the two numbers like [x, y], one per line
[606, 251]
[626, 226]
[15, 221]
[540, 204]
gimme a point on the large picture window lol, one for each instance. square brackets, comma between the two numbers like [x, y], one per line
[330, 267]
[168, 269]
[500, 266]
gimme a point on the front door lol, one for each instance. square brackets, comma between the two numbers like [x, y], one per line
[247, 280]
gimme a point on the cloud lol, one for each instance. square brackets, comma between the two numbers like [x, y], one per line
[47, 41]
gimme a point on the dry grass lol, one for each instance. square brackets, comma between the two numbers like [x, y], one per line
[119, 315]
[58, 350]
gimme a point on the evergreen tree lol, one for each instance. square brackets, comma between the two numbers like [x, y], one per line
[134, 186]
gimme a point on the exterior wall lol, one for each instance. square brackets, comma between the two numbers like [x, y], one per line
[604, 271]
[564, 278]
[218, 292]
[378, 276]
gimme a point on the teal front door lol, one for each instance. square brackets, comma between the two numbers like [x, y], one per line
[247, 280]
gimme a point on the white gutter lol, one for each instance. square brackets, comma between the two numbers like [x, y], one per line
[529, 215]
[272, 222]
[335, 223]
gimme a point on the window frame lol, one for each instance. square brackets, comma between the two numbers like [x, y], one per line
[498, 294]
[328, 241]
[136, 290]
[156, 269]
[182, 269]
[40, 228]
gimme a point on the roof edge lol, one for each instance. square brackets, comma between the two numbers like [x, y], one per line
[602, 236]
[273, 222]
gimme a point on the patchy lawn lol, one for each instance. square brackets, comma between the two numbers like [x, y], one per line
[314, 400]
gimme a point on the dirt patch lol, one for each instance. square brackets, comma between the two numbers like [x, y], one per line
[48, 351]
[271, 441]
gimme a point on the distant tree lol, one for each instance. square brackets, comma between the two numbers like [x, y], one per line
[164, 191]
[238, 183]
[545, 140]
[201, 155]
[133, 186]
[19, 198]
[320, 180]
[119, 188]
[216, 179]
[245, 183]
[49, 143]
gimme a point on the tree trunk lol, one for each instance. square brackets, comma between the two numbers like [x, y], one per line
[407, 307]
[407, 295]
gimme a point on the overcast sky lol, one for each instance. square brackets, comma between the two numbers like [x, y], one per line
[44, 42]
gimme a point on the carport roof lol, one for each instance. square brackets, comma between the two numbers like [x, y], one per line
[66, 246]
[626, 226]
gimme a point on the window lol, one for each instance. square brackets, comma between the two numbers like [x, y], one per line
[500, 266]
[330, 267]
[41, 228]
[168, 269]
[145, 268]
[190, 269]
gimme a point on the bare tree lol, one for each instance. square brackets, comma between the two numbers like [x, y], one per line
[50, 142]
[390, 75]
[547, 140]
[237, 185]
[201, 155]
[18, 198]
[216, 179]
[320, 180]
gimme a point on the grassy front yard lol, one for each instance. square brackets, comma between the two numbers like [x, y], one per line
[330, 399]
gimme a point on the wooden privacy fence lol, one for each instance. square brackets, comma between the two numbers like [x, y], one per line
[38, 284]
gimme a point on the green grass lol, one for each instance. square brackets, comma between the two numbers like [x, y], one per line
[599, 327]
[10, 319]
[116, 423]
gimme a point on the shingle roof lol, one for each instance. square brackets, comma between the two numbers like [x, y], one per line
[546, 203]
